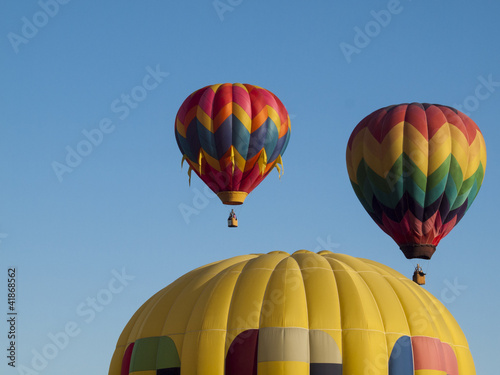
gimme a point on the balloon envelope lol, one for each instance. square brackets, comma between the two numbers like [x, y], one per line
[282, 314]
[416, 168]
[232, 136]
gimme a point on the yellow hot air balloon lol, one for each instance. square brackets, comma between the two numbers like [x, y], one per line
[304, 313]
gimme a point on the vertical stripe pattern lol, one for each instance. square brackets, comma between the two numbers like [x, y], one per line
[299, 314]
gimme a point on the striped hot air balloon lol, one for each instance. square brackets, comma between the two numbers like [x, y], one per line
[232, 136]
[416, 168]
[298, 314]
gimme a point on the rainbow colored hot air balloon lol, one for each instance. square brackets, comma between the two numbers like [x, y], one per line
[416, 168]
[299, 314]
[232, 136]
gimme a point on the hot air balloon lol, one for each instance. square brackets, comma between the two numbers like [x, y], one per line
[232, 136]
[416, 168]
[281, 314]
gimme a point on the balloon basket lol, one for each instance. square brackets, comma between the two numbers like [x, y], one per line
[232, 222]
[419, 275]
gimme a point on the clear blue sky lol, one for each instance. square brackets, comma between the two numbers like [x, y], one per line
[117, 210]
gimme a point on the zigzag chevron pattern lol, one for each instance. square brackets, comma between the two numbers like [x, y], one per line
[232, 135]
[416, 168]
